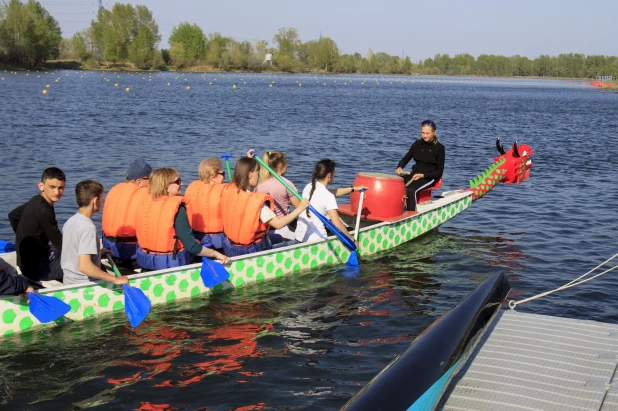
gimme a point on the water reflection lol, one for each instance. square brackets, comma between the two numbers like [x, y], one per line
[236, 337]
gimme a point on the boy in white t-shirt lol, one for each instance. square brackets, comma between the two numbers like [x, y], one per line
[309, 227]
[81, 251]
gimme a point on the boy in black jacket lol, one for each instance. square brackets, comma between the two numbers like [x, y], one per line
[35, 226]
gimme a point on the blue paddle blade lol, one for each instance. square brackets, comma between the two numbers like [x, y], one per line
[46, 308]
[136, 305]
[353, 259]
[349, 271]
[213, 273]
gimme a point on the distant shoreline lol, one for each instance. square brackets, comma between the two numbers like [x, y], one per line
[76, 65]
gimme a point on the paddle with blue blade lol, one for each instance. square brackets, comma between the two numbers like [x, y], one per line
[212, 272]
[136, 304]
[47, 308]
[347, 241]
[6, 247]
[227, 156]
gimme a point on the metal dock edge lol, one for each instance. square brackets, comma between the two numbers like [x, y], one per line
[539, 362]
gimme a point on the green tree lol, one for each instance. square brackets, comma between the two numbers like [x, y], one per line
[146, 37]
[165, 55]
[542, 65]
[192, 39]
[287, 41]
[28, 33]
[442, 62]
[406, 67]
[236, 55]
[66, 50]
[78, 44]
[323, 54]
[99, 30]
[462, 64]
[217, 45]
[122, 30]
[125, 33]
[177, 55]
[346, 64]
[142, 49]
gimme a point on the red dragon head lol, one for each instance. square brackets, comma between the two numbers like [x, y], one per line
[511, 167]
[517, 164]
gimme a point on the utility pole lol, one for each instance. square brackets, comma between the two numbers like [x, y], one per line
[320, 34]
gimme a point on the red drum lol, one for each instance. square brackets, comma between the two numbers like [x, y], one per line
[384, 198]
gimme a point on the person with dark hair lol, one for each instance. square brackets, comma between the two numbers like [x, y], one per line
[164, 235]
[268, 184]
[309, 228]
[35, 225]
[81, 256]
[122, 204]
[247, 215]
[428, 154]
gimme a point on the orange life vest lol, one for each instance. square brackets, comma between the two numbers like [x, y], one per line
[205, 200]
[241, 215]
[120, 211]
[155, 224]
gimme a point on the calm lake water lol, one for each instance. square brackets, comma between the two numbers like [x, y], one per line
[312, 340]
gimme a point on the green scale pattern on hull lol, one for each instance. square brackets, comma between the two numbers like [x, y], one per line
[173, 285]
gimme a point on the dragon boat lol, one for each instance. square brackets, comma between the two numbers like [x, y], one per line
[384, 224]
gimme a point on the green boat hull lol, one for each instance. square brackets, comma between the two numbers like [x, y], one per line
[94, 299]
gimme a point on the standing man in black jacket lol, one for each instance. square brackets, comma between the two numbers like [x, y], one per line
[429, 157]
[35, 226]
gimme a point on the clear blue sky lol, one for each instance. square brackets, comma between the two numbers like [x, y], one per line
[421, 28]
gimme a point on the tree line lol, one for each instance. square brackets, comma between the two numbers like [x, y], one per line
[128, 34]
[28, 33]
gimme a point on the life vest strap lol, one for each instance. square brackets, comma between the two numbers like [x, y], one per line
[175, 251]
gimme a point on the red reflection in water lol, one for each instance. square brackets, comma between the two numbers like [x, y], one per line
[223, 350]
[258, 406]
[377, 313]
[146, 406]
[226, 347]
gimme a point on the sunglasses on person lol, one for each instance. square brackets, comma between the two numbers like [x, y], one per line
[428, 123]
[177, 181]
[221, 173]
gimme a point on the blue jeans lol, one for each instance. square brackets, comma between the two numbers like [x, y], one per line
[232, 250]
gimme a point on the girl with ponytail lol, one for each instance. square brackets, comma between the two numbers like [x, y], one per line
[309, 227]
[282, 196]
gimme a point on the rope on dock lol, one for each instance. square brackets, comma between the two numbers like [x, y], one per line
[579, 280]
